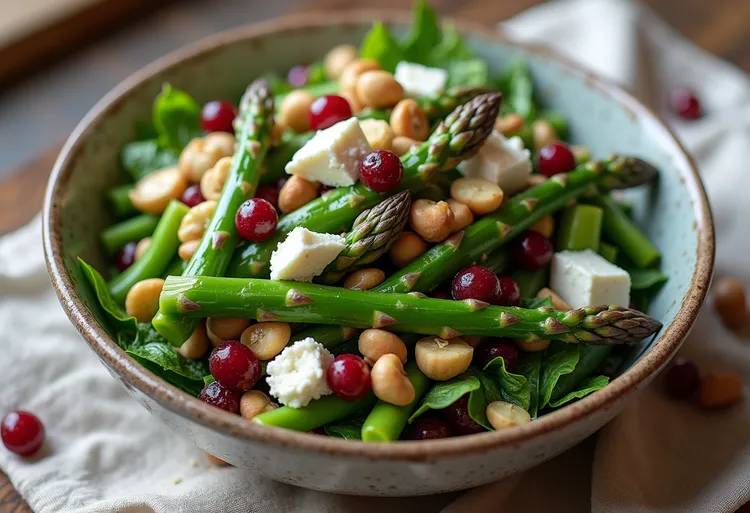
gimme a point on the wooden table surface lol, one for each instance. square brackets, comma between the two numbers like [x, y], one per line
[720, 26]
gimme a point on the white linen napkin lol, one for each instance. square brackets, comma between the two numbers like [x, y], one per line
[105, 453]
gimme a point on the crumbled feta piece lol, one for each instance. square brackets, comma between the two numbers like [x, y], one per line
[418, 80]
[298, 374]
[332, 157]
[304, 254]
[502, 161]
[585, 278]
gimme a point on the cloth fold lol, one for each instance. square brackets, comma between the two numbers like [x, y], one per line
[105, 453]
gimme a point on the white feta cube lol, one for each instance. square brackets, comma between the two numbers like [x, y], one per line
[502, 161]
[418, 80]
[585, 278]
[304, 254]
[298, 374]
[332, 157]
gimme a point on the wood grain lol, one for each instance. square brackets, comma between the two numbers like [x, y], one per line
[720, 26]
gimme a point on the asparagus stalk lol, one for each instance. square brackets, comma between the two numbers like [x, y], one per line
[317, 413]
[266, 300]
[372, 234]
[217, 245]
[458, 137]
[118, 201]
[608, 251]
[278, 156]
[134, 229]
[620, 230]
[580, 228]
[442, 105]
[514, 217]
[154, 262]
[386, 421]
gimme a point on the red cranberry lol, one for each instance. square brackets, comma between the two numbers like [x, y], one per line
[491, 348]
[328, 110]
[126, 256]
[476, 282]
[555, 158]
[429, 427]
[22, 433]
[217, 116]
[682, 379]
[532, 251]
[457, 417]
[216, 395]
[349, 377]
[192, 196]
[381, 171]
[297, 76]
[270, 193]
[510, 292]
[685, 103]
[256, 219]
[234, 366]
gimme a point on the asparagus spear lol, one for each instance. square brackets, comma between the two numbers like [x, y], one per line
[118, 201]
[512, 218]
[217, 245]
[442, 105]
[265, 300]
[458, 137]
[318, 413]
[580, 228]
[278, 156]
[154, 262]
[386, 421]
[372, 234]
[133, 229]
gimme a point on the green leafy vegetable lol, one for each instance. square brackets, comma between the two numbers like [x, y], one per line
[140, 158]
[380, 45]
[530, 367]
[423, 36]
[120, 320]
[586, 387]
[316, 73]
[590, 359]
[649, 281]
[560, 359]
[536, 302]
[448, 392]
[472, 72]
[514, 388]
[348, 429]
[277, 83]
[145, 130]
[559, 122]
[519, 89]
[208, 379]
[531, 282]
[176, 118]
[452, 47]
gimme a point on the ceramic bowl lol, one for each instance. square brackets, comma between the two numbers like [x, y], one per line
[675, 213]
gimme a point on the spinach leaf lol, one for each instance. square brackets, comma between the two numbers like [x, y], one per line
[316, 73]
[530, 367]
[190, 386]
[176, 118]
[145, 130]
[448, 392]
[514, 388]
[348, 429]
[536, 302]
[590, 358]
[424, 34]
[380, 45]
[520, 89]
[586, 387]
[451, 48]
[139, 158]
[120, 321]
[560, 359]
[648, 281]
[472, 72]
[277, 83]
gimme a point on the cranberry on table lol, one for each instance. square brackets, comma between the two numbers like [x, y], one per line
[256, 219]
[297, 76]
[685, 103]
[381, 171]
[192, 196]
[328, 110]
[217, 395]
[457, 417]
[217, 116]
[532, 251]
[491, 348]
[555, 158]
[476, 282]
[349, 377]
[682, 379]
[510, 292]
[234, 366]
[126, 256]
[270, 193]
[429, 427]
[22, 433]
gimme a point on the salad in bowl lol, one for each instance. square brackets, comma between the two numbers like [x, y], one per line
[390, 243]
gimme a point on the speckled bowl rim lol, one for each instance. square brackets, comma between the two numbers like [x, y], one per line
[230, 425]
